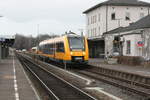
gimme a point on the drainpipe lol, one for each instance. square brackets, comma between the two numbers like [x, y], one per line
[106, 18]
[148, 10]
[0, 51]
[106, 55]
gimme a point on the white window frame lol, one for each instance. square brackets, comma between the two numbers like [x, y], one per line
[113, 18]
[127, 16]
[142, 15]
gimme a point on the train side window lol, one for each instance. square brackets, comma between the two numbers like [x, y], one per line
[57, 47]
[60, 47]
[50, 49]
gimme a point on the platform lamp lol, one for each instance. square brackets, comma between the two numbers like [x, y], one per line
[0, 43]
[38, 32]
[1, 16]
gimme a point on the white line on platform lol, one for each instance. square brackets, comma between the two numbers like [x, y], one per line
[105, 93]
[35, 92]
[15, 81]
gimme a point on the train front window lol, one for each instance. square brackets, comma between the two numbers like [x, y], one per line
[76, 43]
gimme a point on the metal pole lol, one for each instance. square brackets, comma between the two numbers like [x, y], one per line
[1, 45]
[119, 38]
[81, 30]
[38, 32]
[0, 51]
[106, 29]
[65, 65]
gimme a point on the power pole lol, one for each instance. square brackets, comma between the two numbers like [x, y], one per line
[81, 30]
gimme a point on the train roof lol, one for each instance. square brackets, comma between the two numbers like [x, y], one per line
[59, 39]
[51, 40]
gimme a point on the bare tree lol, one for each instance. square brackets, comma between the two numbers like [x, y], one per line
[24, 42]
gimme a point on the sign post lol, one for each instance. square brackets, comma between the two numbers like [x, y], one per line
[140, 44]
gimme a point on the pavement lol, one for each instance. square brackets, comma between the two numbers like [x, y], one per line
[141, 70]
[14, 84]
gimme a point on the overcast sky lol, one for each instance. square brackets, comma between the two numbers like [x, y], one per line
[52, 16]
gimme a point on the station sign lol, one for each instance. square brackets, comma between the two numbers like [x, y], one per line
[140, 43]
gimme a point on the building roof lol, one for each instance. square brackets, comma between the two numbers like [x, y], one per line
[119, 3]
[114, 30]
[140, 24]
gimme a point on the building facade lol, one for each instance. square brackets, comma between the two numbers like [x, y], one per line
[133, 40]
[110, 15]
[127, 45]
[146, 40]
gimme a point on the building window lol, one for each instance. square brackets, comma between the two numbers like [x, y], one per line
[91, 19]
[127, 17]
[91, 33]
[95, 31]
[95, 18]
[99, 29]
[141, 15]
[128, 47]
[99, 17]
[88, 21]
[113, 16]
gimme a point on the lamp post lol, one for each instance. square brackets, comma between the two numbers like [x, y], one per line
[1, 16]
[0, 45]
[81, 30]
[38, 30]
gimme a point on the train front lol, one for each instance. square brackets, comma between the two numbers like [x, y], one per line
[78, 48]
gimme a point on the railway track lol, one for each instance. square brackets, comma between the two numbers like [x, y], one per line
[126, 84]
[127, 81]
[57, 88]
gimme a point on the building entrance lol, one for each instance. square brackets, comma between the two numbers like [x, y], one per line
[96, 48]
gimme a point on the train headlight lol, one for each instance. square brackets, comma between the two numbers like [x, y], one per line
[71, 53]
[83, 53]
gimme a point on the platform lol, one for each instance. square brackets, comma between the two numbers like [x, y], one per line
[141, 70]
[14, 84]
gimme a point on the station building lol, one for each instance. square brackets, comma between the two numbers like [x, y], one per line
[5, 43]
[110, 15]
[134, 40]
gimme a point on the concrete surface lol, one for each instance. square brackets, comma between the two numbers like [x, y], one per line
[145, 71]
[13, 82]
